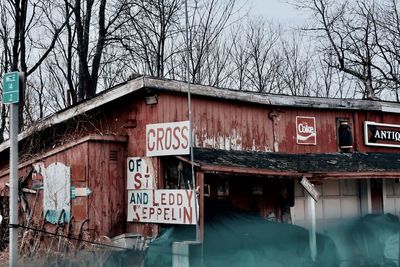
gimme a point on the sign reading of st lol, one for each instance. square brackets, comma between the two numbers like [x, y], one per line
[306, 130]
[165, 139]
[140, 173]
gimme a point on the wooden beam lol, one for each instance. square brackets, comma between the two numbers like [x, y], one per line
[358, 175]
[186, 160]
[250, 171]
[294, 174]
[200, 184]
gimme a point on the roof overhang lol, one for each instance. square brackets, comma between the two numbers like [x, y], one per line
[314, 166]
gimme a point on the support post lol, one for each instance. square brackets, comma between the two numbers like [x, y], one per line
[200, 184]
[312, 232]
[13, 246]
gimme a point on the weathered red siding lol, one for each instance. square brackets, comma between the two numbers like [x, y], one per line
[235, 125]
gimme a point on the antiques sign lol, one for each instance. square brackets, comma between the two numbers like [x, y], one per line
[164, 139]
[306, 130]
[176, 206]
[381, 134]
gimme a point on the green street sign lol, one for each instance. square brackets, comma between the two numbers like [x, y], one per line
[11, 87]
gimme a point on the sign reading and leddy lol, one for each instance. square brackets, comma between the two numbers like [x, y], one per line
[11, 87]
[175, 206]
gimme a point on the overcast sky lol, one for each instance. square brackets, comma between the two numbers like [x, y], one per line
[278, 10]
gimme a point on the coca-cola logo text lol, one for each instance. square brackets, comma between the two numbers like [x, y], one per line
[306, 130]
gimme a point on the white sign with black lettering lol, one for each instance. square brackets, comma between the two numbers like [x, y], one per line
[140, 173]
[175, 206]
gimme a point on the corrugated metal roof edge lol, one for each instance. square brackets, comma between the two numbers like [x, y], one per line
[202, 90]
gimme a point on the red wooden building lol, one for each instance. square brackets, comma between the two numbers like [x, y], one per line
[112, 160]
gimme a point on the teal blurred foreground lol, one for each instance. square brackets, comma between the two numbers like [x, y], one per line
[236, 238]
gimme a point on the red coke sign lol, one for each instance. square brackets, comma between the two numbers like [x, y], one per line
[306, 130]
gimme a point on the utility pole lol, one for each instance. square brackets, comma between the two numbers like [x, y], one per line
[11, 88]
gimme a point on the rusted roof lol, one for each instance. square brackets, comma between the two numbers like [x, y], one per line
[334, 165]
[140, 83]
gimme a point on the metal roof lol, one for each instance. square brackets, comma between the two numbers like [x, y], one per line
[137, 84]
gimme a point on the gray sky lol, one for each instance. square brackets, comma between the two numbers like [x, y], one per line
[277, 10]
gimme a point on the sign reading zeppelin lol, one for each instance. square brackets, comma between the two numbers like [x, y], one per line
[163, 139]
[140, 173]
[381, 134]
[175, 206]
[306, 130]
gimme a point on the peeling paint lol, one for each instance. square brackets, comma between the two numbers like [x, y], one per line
[233, 141]
[56, 195]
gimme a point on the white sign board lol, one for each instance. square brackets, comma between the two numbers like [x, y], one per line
[140, 173]
[309, 187]
[56, 192]
[164, 139]
[175, 206]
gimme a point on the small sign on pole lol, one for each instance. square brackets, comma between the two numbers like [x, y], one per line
[309, 187]
[11, 87]
[313, 196]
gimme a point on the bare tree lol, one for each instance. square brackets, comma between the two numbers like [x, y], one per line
[386, 30]
[29, 32]
[89, 55]
[155, 24]
[348, 28]
[209, 18]
[263, 59]
[295, 70]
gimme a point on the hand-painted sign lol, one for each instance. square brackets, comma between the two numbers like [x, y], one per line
[175, 206]
[80, 192]
[381, 134]
[163, 139]
[306, 130]
[309, 187]
[57, 193]
[140, 173]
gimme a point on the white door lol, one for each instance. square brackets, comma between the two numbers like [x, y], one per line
[340, 199]
[391, 203]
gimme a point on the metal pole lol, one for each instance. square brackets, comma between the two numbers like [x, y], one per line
[13, 246]
[312, 232]
[190, 115]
